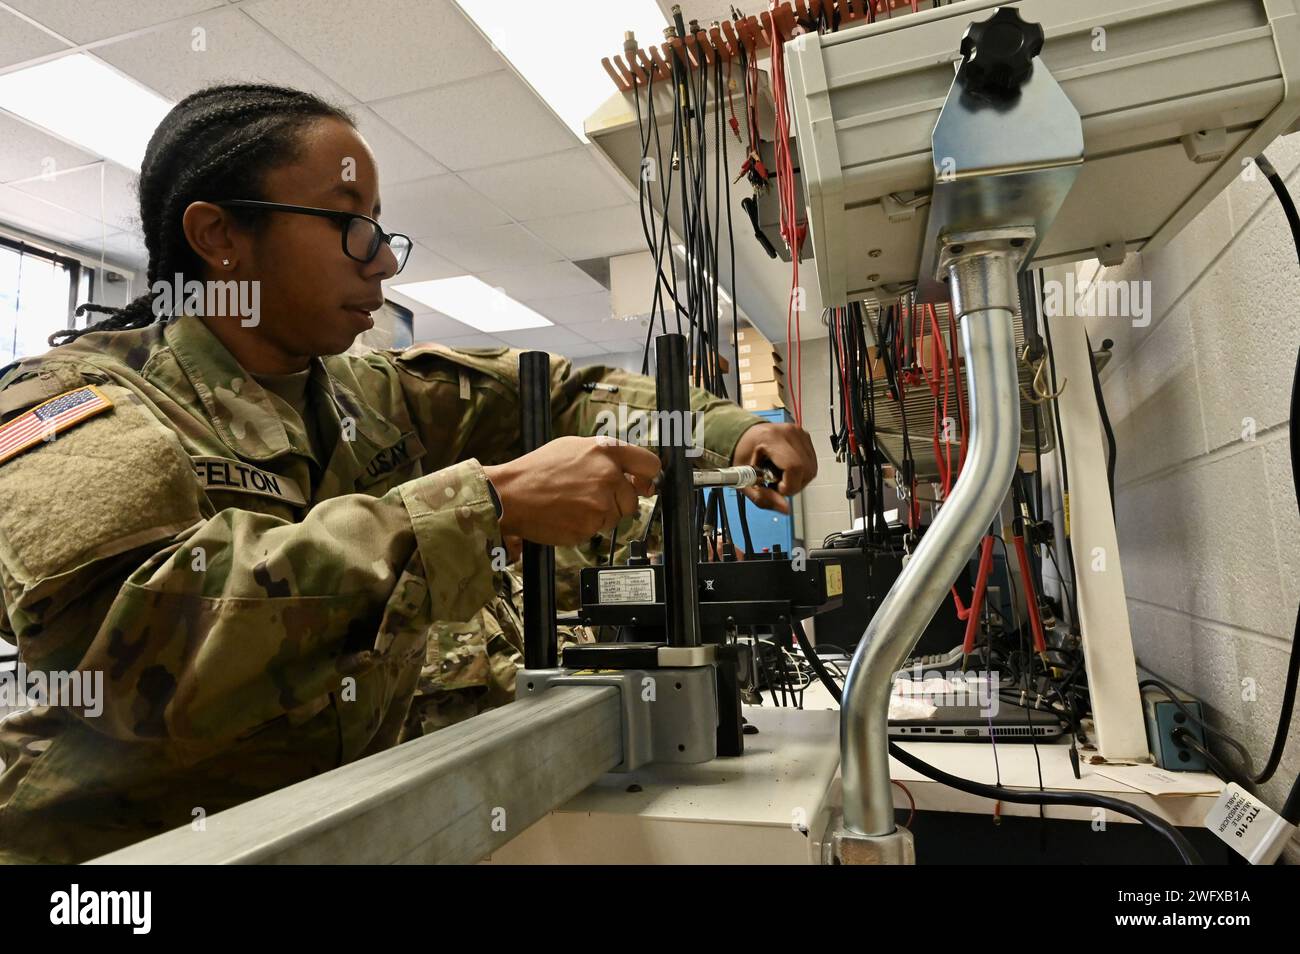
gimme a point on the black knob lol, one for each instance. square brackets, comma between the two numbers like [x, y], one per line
[998, 54]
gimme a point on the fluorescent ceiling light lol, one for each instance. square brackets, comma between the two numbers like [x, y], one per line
[88, 103]
[557, 47]
[722, 292]
[473, 302]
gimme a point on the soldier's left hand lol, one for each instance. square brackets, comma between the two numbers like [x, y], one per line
[785, 446]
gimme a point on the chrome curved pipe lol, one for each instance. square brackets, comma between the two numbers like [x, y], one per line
[984, 296]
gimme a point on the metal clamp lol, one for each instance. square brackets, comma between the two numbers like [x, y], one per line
[669, 715]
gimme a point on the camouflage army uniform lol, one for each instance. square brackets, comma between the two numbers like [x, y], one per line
[259, 615]
[470, 667]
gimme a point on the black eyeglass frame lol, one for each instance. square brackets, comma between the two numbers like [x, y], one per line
[344, 218]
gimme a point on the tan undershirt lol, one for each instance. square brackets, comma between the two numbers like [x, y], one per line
[292, 389]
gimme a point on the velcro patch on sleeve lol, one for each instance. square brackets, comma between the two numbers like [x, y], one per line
[43, 422]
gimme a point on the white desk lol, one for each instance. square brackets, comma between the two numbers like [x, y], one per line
[746, 810]
[733, 810]
[1018, 768]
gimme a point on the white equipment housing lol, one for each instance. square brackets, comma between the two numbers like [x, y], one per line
[1175, 97]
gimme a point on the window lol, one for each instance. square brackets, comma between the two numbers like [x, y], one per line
[36, 298]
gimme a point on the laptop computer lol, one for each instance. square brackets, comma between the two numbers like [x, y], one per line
[1010, 723]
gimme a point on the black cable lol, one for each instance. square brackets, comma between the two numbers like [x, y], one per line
[1105, 424]
[1185, 738]
[1186, 852]
[1292, 811]
[1070, 591]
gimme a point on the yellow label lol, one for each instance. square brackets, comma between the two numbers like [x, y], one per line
[834, 580]
[1065, 506]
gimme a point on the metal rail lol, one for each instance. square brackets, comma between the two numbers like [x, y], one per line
[449, 798]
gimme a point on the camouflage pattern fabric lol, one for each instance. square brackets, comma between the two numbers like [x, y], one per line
[258, 614]
[470, 667]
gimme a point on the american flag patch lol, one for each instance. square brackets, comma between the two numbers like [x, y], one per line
[44, 421]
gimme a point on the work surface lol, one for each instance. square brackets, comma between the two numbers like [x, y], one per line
[745, 810]
[754, 809]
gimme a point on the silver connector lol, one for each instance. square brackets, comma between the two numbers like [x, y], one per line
[739, 476]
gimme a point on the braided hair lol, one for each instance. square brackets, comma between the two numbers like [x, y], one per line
[215, 144]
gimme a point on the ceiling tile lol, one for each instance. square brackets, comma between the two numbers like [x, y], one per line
[613, 330]
[399, 159]
[474, 341]
[569, 181]
[41, 218]
[381, 50]
[540, 281]
[425, 264]
[588, 349]
[573, 309]
[592, 234]
[481, 122]
[439, 203]
[627, 346]
[435, 326]
[235, 50]
[554, 340]
[126, 248]
[83, 22]
[84, 191]
[28, 151]
[20, 41]
[628, 359]
[502, 246]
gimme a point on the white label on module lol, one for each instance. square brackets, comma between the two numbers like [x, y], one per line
[1250, 827]
[626, 586]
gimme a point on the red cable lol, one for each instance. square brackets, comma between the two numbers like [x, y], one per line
[1031, 595]
[792, 231]
[977, 599]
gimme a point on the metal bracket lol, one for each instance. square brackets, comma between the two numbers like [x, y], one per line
[669, 715]
[1000, 164]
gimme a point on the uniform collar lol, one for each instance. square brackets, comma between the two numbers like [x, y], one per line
[243, 413]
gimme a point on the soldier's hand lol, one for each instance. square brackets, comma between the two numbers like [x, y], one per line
[790, 449]
[573, 488]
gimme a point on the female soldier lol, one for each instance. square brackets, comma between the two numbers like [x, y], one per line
[242, 535]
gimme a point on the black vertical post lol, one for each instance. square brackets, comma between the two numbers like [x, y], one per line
[540, 644]
[677, 491]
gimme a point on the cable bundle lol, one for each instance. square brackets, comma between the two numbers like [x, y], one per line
[793, 232]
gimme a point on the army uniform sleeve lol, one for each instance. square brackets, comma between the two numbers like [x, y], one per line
[208, 624]
[467, 401]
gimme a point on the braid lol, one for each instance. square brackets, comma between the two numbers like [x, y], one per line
[217, 143]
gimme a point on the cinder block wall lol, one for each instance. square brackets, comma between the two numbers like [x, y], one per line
[1199, 400]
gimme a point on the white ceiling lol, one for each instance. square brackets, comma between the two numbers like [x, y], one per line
[473, 165]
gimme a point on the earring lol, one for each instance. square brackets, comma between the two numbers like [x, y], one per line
[225, 262]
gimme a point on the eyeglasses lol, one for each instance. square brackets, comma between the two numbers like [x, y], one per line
[362, 236]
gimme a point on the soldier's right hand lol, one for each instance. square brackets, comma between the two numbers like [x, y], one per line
[567, 491]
